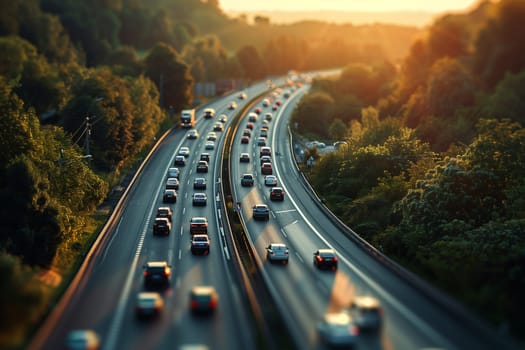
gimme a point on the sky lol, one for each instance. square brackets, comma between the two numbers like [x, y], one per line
[435, 6]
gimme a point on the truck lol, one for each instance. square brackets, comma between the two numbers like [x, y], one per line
[187, 118]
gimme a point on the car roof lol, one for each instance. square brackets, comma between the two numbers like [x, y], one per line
[203, 290]
[199, 219]
[366, 302]
[157, 263]
[278, 246]
[326, 252]
[339, 318]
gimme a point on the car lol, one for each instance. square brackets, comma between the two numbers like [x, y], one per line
[252, 117]
[198, 224]
[261, 141]
[242, 96]
[82, 339]
[268, 116]
[278, 102]
[265, 159]
[209, 145]
[184, 151]
[192, 134]
[199, 183]
[367, 313]
[247, 132]
[223, 118]
[200, 244]
[261, 212]
[244, 158]
[202, 166]
[338, 329]
[325, 259]
[173, 172]
[263, 133]
[257, 110]
[265, 124]
[218, 127]
[250, 126]
[275, 107]
[169, 196]
[277, 252]
[232, 105]
[157, 274]
[265, 151]
[199, 199]
[161, 226]
[270, 180]
[179, 160]
[245, 139]
[266, 169]
[205, 156]
[203, 299]
[247, 180]
[277, 194]
[209, 113]
[164, 212]
[172, 183]
[212, 136]
[148, 305]
[265, 102]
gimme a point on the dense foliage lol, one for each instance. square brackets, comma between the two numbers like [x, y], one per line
[432, 172]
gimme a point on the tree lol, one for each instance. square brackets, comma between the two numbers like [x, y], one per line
[163, 64]
[508, 100]
[313, 112]
[252, 64]
[337, 130]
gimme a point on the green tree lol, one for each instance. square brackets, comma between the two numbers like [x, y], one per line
[252, 64]
[313, 112]
[164, 64]
[337, 130]
[508, 100]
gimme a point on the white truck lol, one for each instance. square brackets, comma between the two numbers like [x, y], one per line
[187, 118]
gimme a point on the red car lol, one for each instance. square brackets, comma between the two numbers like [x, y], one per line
[277, 194]
[245, 139]
[266, 169]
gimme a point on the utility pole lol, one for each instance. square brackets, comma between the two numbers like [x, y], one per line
[88, 134]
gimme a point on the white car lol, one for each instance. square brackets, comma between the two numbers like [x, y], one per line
[184, 151]
[209, 145]
[270, 180]
[212, 136]
[173, 172]
[338, 329]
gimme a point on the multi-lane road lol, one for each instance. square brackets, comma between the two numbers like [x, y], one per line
[104, 299]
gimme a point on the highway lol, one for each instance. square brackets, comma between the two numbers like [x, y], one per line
[303, 293]
[104, 300]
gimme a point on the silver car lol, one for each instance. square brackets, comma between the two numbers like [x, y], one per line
[338, 329]
[277, 252]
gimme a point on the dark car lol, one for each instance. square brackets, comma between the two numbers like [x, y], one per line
[265, 159]
[202, 166]
[199, 183]
[367, 313]
[199, 199]
[205, 156]
[209, 113]
[203, 299]
[198, 224]
[180, 160]
[244, 158]
[164, 212]
[218, 127]
[265, 151]
[247, 180]
[161, 226]
[247, 132]
[325, 259]
[266, 169]
[258, 110]
[169, 196]
[268, 116]
[277, 194]
[245, 139]
[261, 212]
[157, 274]
[200, 244]
[250, 126]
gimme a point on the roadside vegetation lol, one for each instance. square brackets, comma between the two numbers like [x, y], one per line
[432, 172]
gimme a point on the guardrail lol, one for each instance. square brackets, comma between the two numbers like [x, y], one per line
[452, 306]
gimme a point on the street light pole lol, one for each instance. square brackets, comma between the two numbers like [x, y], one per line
[88, 134]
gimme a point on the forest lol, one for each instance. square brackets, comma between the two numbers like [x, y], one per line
[431, 171]
[86, 87]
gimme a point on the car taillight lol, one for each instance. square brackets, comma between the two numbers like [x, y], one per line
[286, 252]
[354, 330]
[335, 258]
[146, 273]
[194, 304]
[212, 304]
[319, 258]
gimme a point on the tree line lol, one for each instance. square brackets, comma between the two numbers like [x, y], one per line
[432, 171]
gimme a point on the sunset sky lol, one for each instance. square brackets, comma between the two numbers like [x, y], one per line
[347, 5]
